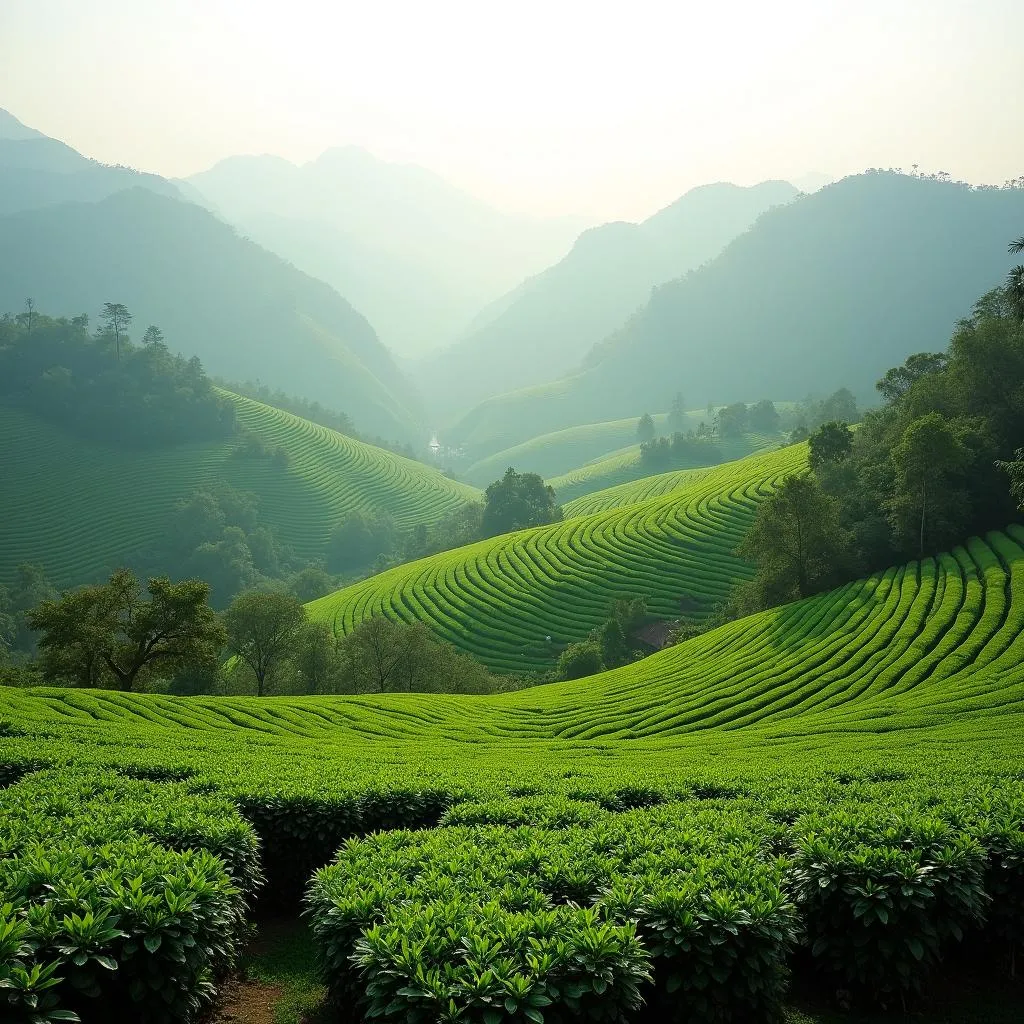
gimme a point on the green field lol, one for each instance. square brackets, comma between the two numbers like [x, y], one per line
[579, 488]
[737, 792]
[500, 599]
[120, 500]
[563, 451]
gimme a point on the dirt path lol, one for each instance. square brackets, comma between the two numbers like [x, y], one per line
[248, 1002]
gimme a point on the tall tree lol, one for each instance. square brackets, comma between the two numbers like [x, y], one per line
[926, 455]
[262, 629]
[797, 542]
[1015, 281]
[831, 442]
[645, 428]
[109, 633]
[153, 336]
[116, 317]
[677, 415]
[516, 501]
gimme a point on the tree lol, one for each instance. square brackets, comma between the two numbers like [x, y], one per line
[153, 336]
[516, 501]
[923, 459]
[645, 428]
[732, 420]
[677, 414]
[764, 417]
[262, 628]
[580, 659]
[30, 312]
[898, 381]
[116, 318]
[1015, 281]
[1015, 470]
[831, 442]
[796, 541]
[108, 633]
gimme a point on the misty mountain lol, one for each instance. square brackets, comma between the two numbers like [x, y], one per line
[418, 256]
[546, 326]
[826, 292]
[244, 311]
[37, 171]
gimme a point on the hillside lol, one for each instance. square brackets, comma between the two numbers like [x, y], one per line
[79, 508]
[500, 599]
[36, 170]
[828, 291]
[418, 256]
[620, 470]
[245, 312]
[544, 327]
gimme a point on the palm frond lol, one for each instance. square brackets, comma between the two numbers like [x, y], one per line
[1017, 245]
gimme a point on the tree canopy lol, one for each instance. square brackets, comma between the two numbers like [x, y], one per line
[516, 501]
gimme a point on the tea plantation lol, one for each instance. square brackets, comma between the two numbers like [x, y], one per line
[513, 600]
[51, 478]
[833, 790]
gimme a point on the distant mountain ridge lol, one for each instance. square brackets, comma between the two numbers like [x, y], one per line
[546, 325]
[828, 291]
[243, 310]
[37, 171]
[417, 255]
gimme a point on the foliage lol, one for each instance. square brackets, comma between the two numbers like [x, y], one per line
[262, 630]
[518, 501]
[584, 658]
[832, 442]
[797, 542]
[645, 430]
[107, 635]
[732, 420]
[677, 414]
[105, 388]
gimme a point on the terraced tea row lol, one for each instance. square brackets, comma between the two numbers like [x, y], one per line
[78, 508]
[578, 488]
[512, 601]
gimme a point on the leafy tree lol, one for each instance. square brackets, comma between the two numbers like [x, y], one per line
[358, 539]
[831, 442]
[1015, 281]
[797, 542]
[580, 659]
[116, 318]
[262, 629]
[645, 428]
[310, 582]
[677, 414]
[732, 420]
[764, 417]
[898, 381]
[153, 336]
[108, 633]
[1015, 470]
[924, 459]
[516, 501]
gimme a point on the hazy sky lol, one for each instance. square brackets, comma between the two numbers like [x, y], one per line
[607, 109]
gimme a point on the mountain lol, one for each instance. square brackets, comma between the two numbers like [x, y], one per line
[244, 311]
[826, 292]
[547, 324]
[36, 171]
[415, 254]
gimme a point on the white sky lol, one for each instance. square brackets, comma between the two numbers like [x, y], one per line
[575, 106]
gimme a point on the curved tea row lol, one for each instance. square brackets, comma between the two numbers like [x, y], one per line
[512, 601]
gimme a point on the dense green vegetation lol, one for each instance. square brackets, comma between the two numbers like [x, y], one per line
[514, 601]
[306, 479]
[861, 742]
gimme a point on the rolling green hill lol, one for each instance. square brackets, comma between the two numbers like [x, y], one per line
[619, 469]
[78, 507]
[500, 599]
